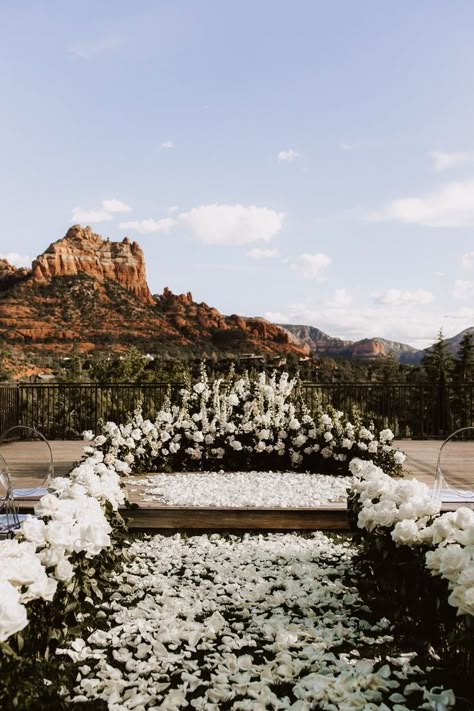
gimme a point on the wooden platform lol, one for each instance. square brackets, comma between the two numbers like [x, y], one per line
[421, 463]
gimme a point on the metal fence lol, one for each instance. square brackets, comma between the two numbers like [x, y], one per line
[65, 410]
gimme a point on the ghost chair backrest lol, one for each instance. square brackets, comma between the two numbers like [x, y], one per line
[30, 461]
[9, 519]
[454, 467]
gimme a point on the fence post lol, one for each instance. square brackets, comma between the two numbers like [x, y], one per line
[18, 405]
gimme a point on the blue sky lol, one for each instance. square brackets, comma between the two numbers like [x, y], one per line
[308, 161]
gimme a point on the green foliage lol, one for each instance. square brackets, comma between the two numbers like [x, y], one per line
[438, 361]
[464, 368]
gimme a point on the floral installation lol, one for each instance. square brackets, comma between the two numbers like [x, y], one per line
[268, 621]
[246, 424]
[401, 521]
[74, 524]
[380, 501]
[452, 534]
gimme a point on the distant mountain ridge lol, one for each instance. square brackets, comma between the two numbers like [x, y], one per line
[367, 348]
[92, 293]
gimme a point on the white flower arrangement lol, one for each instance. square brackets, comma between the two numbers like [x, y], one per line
[253, 424]
[389, 503]
[69, 520]
[408, 510]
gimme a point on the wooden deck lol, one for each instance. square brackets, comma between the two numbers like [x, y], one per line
[422, 456]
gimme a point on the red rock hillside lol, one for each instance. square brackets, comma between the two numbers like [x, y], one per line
[92, 292]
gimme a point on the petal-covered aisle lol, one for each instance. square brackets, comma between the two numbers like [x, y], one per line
[260, 622]
[251, 489]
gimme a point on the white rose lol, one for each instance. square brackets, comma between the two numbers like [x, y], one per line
[59, 533]
[12, 613]
[462, 598]
[51, 556]
[48, 505]
[33, 530]
[384, 513]
[64, 570]
[463, 517]
[300, 440]
[44, 588]
[405, 532]
[199, 388]
[399, 457]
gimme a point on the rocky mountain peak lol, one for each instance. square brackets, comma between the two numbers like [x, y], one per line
[82, 250]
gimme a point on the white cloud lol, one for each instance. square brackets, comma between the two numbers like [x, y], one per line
[167, 144]
[88, 50]
[173, 208]
[397, 297]
[18, 260]
[417, 326]
[232, 224]
[348, 146]
[463, 289]
[79, 215]
[149, 226]
[288, 155]
[452, 205]
[340, 298]
[104, 213]
[443, 160]
[114, 205]
[467, 260]
[276, 317]
[257, 253]
[311, 265]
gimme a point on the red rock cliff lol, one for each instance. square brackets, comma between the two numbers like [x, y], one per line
[81, 250]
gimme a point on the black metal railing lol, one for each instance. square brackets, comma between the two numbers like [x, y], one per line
[65, 410]
[410, 410]
[9, 407]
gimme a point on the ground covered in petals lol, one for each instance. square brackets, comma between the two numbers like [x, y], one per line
[253, 489]
[256, 622]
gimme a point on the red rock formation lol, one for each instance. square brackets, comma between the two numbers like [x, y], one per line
[81, 250]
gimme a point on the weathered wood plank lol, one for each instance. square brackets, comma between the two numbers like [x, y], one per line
[218, 519]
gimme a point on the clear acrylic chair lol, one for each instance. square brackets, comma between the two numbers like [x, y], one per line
[9, 517]
[452, 484]
[30, 462]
